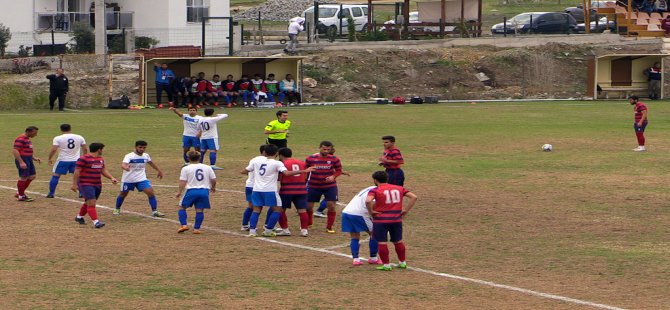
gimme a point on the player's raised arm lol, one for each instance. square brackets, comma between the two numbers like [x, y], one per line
[177, 112]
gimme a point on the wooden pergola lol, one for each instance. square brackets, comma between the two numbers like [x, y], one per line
[405, 13]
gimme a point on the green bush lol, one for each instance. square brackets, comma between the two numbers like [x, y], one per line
[145, 42]
[5, 36]
[17, 97]
[116, 45]
[375, 36]
[318, 74]
[84, 38]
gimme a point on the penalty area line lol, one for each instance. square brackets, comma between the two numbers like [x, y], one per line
[327, 251]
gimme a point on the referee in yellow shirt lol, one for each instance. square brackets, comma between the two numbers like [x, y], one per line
[277, 130]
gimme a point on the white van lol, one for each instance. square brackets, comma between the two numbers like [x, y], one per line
[329, 16]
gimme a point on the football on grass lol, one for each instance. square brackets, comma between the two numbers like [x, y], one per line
[547, 147]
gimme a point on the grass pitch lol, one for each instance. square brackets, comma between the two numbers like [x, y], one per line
[587, 221]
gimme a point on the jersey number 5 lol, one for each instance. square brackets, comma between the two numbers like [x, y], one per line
[262, 170]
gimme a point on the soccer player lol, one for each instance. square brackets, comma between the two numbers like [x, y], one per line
[87, 177]
[277, 130]
[391, 159]
[190, 137]
[640, 124]
[70, 146]
[266, 172]
[198, 180]
[323, 181]
[293, 190]
[134, 176]
[356, 219]
[324, 204]
[385, 203]
[248, 189]
[209, 135]
[24, 160]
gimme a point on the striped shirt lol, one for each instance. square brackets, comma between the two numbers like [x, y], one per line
[388, 201]
[639, 107]
[90, 170]
[295, 184]
[23, 144]
[325, 167]
[393, 154]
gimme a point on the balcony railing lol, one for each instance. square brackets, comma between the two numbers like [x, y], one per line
[64, 21]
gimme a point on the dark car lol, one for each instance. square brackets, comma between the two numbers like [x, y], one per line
[578, 11]
[537, 22]
[602, 25]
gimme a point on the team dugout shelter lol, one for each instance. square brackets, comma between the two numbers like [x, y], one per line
[621, 75]
[223, 66]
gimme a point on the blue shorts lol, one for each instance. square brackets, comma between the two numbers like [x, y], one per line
[30, 167]
[396, 176]
[195, 197]
[265, 199]
[355, 223]
[247, 193]
[300, 201]
[90, 192]
[141, 186]
[209, 144]
[64, 167]
[381, 231]
[314, 194]
[190, 142]
[640, 128]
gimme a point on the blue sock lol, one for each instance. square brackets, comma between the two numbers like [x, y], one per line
[354, 245]
[185, 158]
[247, 216]
[253, 221]
[182, 217]
[52, 184]
[199, 217]
[119, 201]
[374, 247]
[274, 217]
[153, 203]
[267, 217]
[212, 158]
[322, 206]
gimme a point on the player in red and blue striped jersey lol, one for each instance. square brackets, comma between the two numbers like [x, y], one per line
[88, 178]
[391, 160]
[23, 158]
[322, 182]
[640, 110]
[293, 190]
[385, 203]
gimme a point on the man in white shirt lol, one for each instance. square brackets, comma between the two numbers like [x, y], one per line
[198, 180]
[191, 136]
[70, 146]
[134, 167]
[209, 135]
[356, 219]
[266, 174]
[294, 27]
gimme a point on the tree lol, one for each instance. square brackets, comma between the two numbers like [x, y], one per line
[5, 36]
[145, 42]
[84, 38]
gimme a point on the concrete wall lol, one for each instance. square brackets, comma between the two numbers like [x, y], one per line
[20, 17]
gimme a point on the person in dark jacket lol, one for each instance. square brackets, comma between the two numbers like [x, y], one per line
[58, 87]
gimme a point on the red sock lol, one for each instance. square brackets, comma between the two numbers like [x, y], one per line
[283, 220]
[21, 187]
[304, 220]
[92, 212]
[400, 250]
[384, 253]
[310, 217]
[640, 138]
[29, 180]
[331, 219]
[83, 210]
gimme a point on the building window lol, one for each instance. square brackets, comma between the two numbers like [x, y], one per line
[196, 10]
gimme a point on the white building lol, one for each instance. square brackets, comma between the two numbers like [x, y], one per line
[172, 22]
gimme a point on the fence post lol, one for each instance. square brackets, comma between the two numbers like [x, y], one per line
[230, 34]
[505, 27]
[202, 52]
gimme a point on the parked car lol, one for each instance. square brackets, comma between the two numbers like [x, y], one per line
[537, 22]
[414, 19]
[578, 11]
[603, 24]
[330, 15]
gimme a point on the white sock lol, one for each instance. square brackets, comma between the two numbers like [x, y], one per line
[357, 259]
[95, 221]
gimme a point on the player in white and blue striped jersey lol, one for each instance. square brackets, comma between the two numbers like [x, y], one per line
[356, 219]
[134, 167]
[191, 136]
[68, 146]
[198, 180]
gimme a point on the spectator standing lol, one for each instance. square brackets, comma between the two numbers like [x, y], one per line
[660, 6]
[164, 77]
[654, 76]
[277, 130]
[295, 25]
[58, 88]
[640, 124]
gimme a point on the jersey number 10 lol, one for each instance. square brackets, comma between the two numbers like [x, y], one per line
[392, 196]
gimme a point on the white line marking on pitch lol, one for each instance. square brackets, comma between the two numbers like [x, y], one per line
[327, 251]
